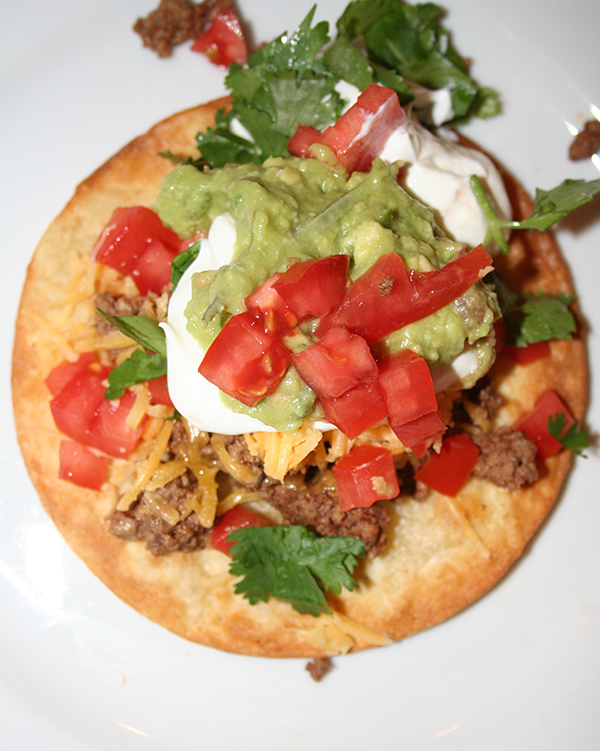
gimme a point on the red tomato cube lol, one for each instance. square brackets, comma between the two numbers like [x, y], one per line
[356, 410]
[448, 471]
[528, 354]
[420, 433]
[159, 391]
[365, 475]
[137, 243]
[336, 363]
[245, 360]
[377, 303]
[81, 411]
[223, 42]
[81, 466]
[359, 135]
[535, 423]
[407, 386]
[266, 301]
[313, 288]
[236, 518]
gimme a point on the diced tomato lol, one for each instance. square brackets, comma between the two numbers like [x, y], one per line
[152, 270]
[359, 135]
[407, 386]
[63, 373]
[308, 289]
[81, 466]
[336, 363]
[433, 290]
[448, 471]
[356, 410]
[223, 42]
[266, 301]
[159, 391]
[365, 475]
[313, 288]
[535, 423]
[111, 433]
[81, 412]
[387, 296]
[245, 361]
[304, 137]
[528, 354]
[377, 299]
[137, 243]
[420, 433]
[236, 518]
[76, 405]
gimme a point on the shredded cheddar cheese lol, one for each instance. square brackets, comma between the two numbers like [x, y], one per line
[148, 467]
[283, 452]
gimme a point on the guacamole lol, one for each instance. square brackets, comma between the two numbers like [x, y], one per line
[293, 208]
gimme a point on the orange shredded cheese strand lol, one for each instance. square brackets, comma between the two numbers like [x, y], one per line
[282, 452]
[148, 467]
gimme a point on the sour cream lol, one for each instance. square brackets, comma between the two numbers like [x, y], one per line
[194, 397]
[437, 173]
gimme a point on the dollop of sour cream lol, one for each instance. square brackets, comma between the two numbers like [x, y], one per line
[194, 397]
[436, 172]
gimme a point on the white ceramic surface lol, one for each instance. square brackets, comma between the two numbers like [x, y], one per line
[79, 669]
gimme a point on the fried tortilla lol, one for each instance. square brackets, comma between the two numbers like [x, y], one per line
[442, 553]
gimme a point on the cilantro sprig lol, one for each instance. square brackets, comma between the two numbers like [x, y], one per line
[533, 316]
[143, 364]
[410, 40]
[283, 84]
[574, 438]
[150, 362]
[294, 564]
[549, 207]
[292, 79]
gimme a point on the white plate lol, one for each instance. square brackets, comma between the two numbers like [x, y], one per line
[79, 669]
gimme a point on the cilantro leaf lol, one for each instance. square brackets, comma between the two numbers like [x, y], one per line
[143, 330]
[139, 367]
[294, 564]
[552, 205]
[533, 317]
[219, 146]
[284, 83]
[410, 40]
[574, 439]
[541, 317]
[549, 207]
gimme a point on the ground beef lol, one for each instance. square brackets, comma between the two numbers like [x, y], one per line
[176, 21]
[237, 448]
[318, 667]
[317, 507]
[142, 522]
[587, 142]
[507, 458]
[487, 397]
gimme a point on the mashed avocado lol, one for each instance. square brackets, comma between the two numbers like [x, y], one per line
[296, 208]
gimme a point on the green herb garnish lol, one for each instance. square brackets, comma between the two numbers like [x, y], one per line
[533, 317]
[410, 40]
[294, 564]
[574, 438]
[143, 365]
[549, 207]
